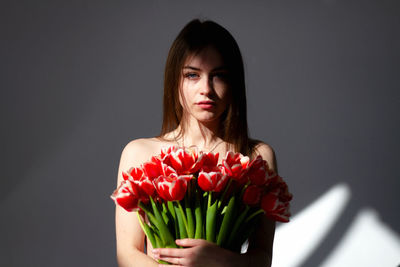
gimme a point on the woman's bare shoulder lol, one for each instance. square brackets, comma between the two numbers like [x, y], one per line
[264, 149]
[138, 145]
[140, 150]
[267, 153]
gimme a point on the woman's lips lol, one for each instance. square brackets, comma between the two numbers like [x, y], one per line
[206, 104]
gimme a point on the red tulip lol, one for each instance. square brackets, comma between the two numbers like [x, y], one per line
[276, 201]
[172, 187]
[136, 173]
[210, 161]
[165, 151]
[274, 208]
[276, 183]
[235, 165]
[144, 186]
[127, 196]
[184, 161]
[156, 167]
[212, 181]
[258, 171]
[252, 195]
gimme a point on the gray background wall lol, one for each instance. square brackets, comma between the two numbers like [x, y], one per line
[80, 79]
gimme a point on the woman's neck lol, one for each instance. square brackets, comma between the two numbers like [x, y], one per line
[205, 136]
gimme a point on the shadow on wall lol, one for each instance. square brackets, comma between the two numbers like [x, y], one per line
[364, 243]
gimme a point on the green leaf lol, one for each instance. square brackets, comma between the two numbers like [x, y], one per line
[164, 214]
[171, 210]
[190, 219]
[148, 231]
[149, 213]
[181, 226]
[211, 222]
[170, 206]
[183, 216]
[226, 222]
[165, 234]
[199, 218]
[159, 242]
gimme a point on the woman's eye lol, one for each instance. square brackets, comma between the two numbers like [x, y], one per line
[191, 75]
[221, 75]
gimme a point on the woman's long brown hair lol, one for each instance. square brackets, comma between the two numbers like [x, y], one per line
[193, 38]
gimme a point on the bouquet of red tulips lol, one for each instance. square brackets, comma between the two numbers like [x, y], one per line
[185, 193]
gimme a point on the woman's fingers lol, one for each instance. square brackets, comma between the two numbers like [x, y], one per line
[179, 252]
[168, 252]
[176, 256]
[175, 261]
[189, 242]
[194, 251]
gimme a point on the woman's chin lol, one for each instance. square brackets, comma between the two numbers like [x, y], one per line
[207, 119]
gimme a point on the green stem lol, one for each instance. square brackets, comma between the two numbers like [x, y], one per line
[211, 222]
[244, 189]
[224, 193]
[149, 213]
[170, 206]
[165, 234]
[199, 218]
[147, 230]
[164, 214]
[181, 226]
[183, 215]
[226, 222]
[171, 210]
[189, 216]
[209, 200]
[159, 242]
[260, 211]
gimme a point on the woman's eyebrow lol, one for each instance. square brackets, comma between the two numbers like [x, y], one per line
[191, 68]
[223, 68]
[215, 69]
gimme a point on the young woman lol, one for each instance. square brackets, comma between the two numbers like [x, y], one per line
[204, 106]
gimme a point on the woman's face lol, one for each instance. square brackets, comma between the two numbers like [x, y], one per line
[204, 88]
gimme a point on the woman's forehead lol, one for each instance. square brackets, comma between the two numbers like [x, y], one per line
[207, 58]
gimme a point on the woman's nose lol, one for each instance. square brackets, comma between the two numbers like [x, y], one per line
[207, 86]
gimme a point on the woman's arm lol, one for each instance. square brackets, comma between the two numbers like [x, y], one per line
[259, 252]
[130, 237]
[261, 242]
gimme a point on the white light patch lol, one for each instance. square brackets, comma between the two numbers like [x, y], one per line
[368, 243]
[296, 240]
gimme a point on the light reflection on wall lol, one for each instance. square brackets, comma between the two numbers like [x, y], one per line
[368, 242]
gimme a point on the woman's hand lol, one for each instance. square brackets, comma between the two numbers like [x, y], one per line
[197, 252]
